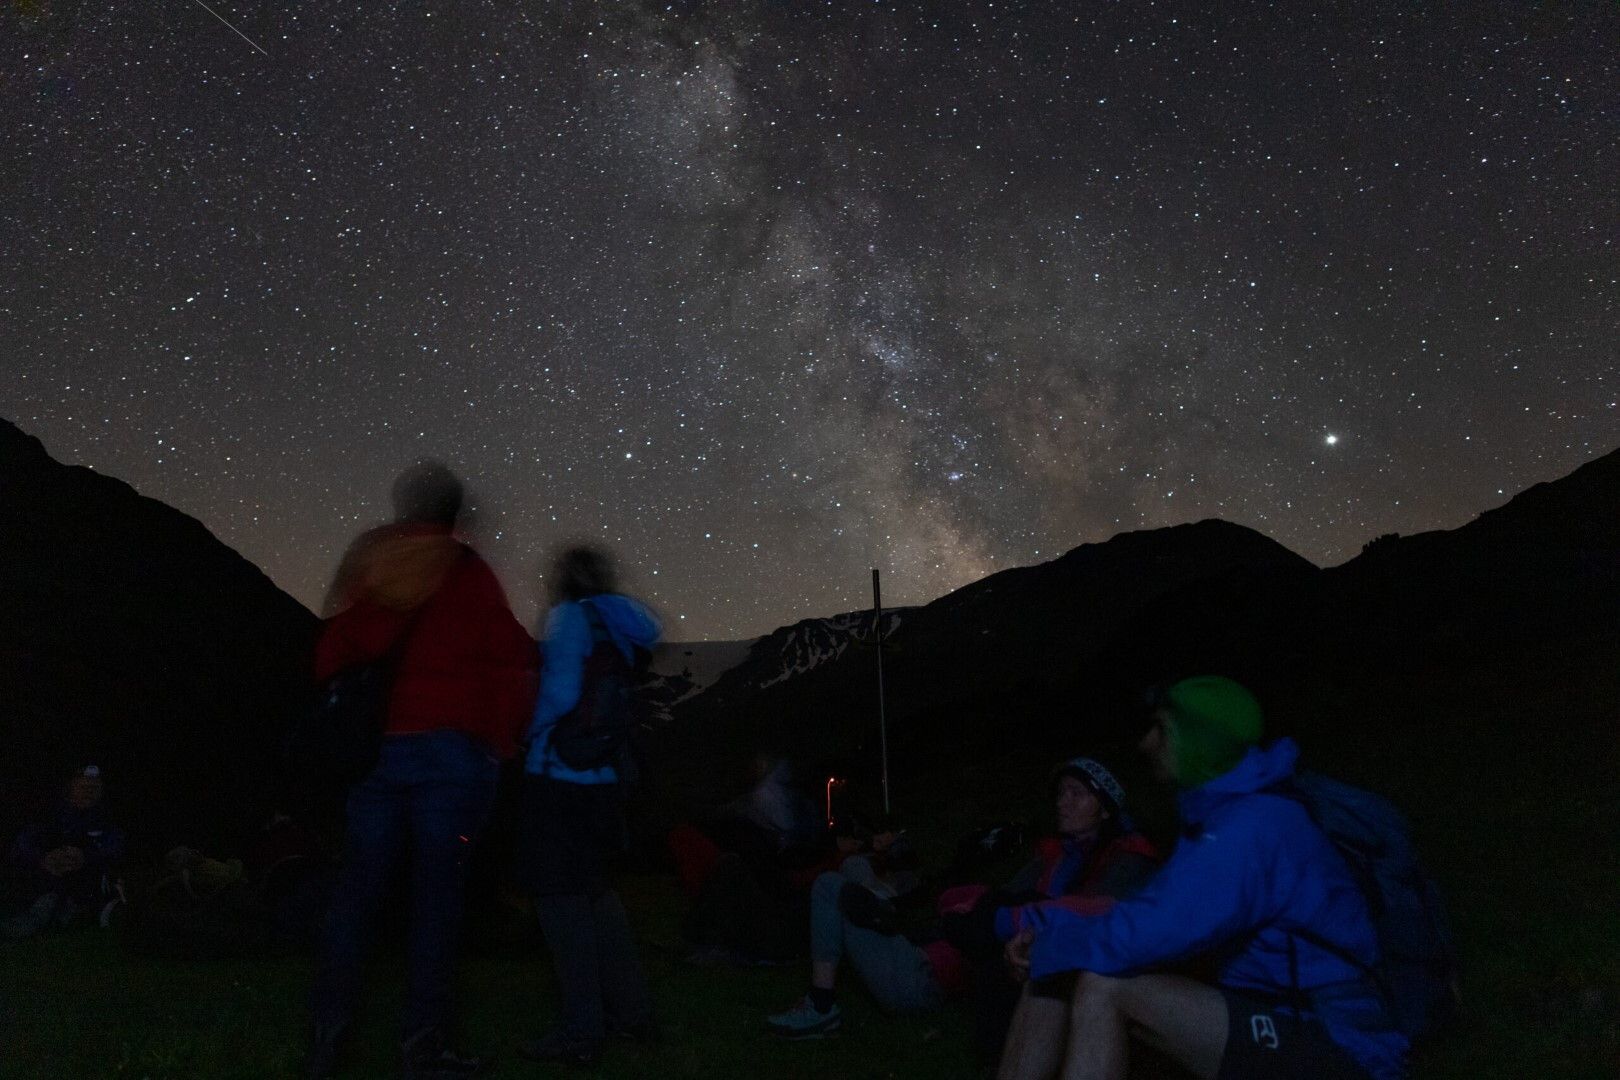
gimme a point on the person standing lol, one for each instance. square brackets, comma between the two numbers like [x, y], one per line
[571, 818]
[462, 688]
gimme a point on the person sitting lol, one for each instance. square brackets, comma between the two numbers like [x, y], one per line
[1097, 853]
[1254, 888]
[64, 867]
[748, 867]
[784, 816]
[772, 823]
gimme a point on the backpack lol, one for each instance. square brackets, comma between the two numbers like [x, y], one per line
[1416, 972]
[596, 732]
[340, 739]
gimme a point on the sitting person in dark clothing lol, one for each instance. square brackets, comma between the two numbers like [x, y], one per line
[62, 868]
[1097, 856]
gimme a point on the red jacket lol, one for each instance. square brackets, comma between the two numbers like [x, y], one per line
[1118, 868]
[469, 665]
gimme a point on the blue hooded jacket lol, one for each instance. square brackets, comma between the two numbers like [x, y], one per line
[1252, 867]
[567, 644]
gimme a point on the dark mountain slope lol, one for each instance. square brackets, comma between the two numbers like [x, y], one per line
[132, 638]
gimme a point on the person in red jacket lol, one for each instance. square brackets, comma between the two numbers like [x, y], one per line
[462, 691]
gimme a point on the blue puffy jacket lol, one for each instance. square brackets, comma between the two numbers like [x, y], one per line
[1252, 867]
[567, 644]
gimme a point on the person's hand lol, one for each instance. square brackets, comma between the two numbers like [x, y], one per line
[1017, 953]
[63, 860]
[883, 841]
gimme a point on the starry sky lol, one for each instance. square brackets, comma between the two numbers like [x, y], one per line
[765, 294]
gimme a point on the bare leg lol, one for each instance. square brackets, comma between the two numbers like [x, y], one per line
[1035, 1040]
[1183, 1018]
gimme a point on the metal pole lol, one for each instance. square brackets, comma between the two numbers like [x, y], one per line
[883, 720]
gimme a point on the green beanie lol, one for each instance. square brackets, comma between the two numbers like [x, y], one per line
[1213, 722]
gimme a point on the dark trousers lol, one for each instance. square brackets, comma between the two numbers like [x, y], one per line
[568, 832]
[429, 796]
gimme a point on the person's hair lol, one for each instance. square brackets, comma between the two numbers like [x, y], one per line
[427, 493]
[581, 571]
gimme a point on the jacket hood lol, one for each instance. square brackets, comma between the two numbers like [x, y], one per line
[396, 566]
[628, 621]
[1258, 769]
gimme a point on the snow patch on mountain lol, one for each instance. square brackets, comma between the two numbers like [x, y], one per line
[813, 642]
[691, 667]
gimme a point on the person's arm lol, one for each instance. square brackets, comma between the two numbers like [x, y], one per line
[1126, 874]
[509, 656]
[361, 633]
[1217, 887]
[1012, 920]
[568, 643]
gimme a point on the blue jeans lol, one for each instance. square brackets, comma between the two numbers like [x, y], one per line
[431, 794]
[894, 970]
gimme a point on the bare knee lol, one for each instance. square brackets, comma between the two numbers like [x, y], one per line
[1092, 990]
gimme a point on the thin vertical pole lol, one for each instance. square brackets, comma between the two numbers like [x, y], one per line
[883, 720]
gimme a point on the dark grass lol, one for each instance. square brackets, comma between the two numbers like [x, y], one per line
[1518, 813]
[76, 1005]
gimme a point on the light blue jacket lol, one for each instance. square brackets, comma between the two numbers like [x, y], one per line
[1251, 867]
[567, 643]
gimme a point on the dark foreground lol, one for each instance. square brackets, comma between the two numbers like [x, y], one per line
[79, 1006]
[1515, 805]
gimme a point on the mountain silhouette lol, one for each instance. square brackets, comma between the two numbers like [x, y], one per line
[1056, 655]
[1013, 654]
[131, 638]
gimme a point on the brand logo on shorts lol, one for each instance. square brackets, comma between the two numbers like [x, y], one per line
[1265, 1032]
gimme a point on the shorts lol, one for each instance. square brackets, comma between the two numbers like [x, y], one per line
[1267, 1042]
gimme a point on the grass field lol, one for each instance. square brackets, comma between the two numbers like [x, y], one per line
[1522, 826]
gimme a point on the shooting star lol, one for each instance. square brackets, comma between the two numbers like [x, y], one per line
[222, 19]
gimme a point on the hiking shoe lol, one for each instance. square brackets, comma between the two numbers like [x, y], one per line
[427, 1057]
[556, 1047]
[867, 910]
[805, 1021]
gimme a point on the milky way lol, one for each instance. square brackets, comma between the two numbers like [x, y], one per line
[767, 294]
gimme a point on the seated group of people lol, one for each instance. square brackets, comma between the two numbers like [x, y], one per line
[61, 869]
[71, 867]
[1249, 952]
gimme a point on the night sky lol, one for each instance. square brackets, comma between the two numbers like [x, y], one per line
[767, 294]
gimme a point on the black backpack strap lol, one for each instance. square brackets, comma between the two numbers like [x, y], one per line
[599, 630]
[599, 635]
